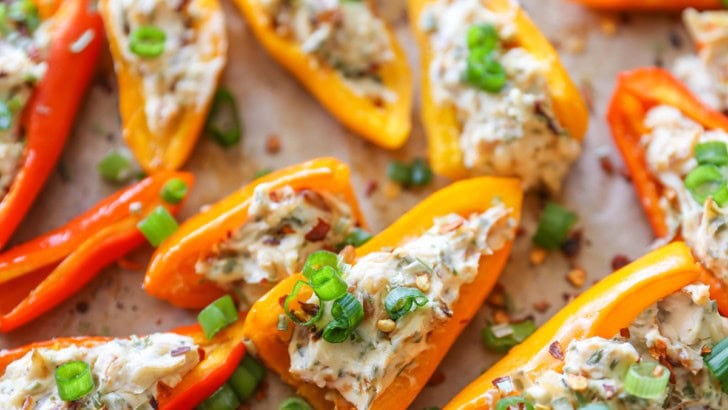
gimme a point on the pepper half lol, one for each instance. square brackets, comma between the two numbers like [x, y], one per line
[221, 356]
[440, 121]
[636, 93]
[387, 124]
[645, 5]
[610, 305]
[464, 198]
[171, 274]
[48, 116]
[170, 148]
[38, 275]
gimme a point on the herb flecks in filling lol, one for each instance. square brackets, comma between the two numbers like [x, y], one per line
[127, 373]
[406, 293]
[506, 129]
[342, 34]
[284, 227]
[163, 43]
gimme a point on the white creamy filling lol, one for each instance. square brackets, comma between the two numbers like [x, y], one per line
[346, 35]
[669, 147]
[513, 132]
[284, 227]
[675, 329]
[707, 73]
[185, 75]
[445, 257]
[126, 372]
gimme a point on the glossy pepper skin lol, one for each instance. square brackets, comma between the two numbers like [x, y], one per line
[464, 198]
[653, 5]
[440, 121]
[636, 93]
[387, 125]
[170, 149]
[219, 358]
[610, 305]
[38, 275]
[48, 116]
[171, 274]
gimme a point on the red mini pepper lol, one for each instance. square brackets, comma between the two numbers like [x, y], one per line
[39, 274]
[657, 5]
[218, 359]
[48, 116]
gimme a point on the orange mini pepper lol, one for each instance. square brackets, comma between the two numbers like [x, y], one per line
[218, 359]
[386, 124]
[636, 93]
[661, 5]
[38, 275]
[464, 198]
[169, 149]
[441, 124]
[48, 116]
[171, 274]
[610, 305]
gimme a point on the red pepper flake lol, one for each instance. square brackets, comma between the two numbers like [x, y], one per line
[624, 173]
[437, 378]
[201, 353]
[282, 300]
[624, 332]
[82, 307]
[318, 232]
[555, 351]
[180, 351]
[262, 392]
[572, 245]
[371, 188]
[504, 384]
[587, 92]
[619, 261]
[315, 199]
[542, 306]
[273, 144]
[607, 165]
[706, 350]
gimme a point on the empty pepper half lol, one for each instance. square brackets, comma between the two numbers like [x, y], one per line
[256, 236]
[449, 233]
[174, 370]
[598, 326]
[478, 72]
[346, 56]
[659, 127]
[49, 66]
[168, 57]
[661, 5]
[38, 275]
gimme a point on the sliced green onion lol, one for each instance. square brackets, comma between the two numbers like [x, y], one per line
[174, 191]
[294, 293]
[355, 238]
[483, 36]
[25, 12]
[401, 300]
[594, 406]
[337, 331]
[115, 167]
[553, 226]
[400, 172]
[74, 380]
[348, 308]
[246, 377]
[158, 226]
[147, 41]
[223, 399]
[421, 173]
[262, 172]
[223, 122]
[328, 284]
[647, 380]
[485, 72]
[282, 323]
[717, 363]
[6, 116]
[513, 403]
[712, 152]
[217, 316]
[294, 403]
[317, 260]
[513, 334]
[704, 181]
[721, 195]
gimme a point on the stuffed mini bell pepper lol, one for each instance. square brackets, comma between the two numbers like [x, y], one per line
[258, 235]
[173, 370]
[168, 56]
[367, 328]
[646, 337]
[653, 5]
[676, 150]
[48, 53]
[495, 98]
[346, 56]
[38, 275]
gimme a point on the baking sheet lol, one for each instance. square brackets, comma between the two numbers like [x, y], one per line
[594, 47]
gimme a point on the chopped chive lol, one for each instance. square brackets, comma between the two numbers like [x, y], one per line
[647, 380]
[246, 378]
[717, 363]
[704, 181]
[174, 191]
[262, 172]
[158, 226]
[223, 122]
[217, 316]
[554, 226]
[508, 403]
[348, 313]
[501, 338]
[115, 167]
[74, 380]
[400, 173]
[147, 41]
[294, 403]
[355, 238]
[402, 300]
[224, 398]
[712, 152]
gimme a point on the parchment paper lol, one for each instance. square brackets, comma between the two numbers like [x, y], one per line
[272, 103]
